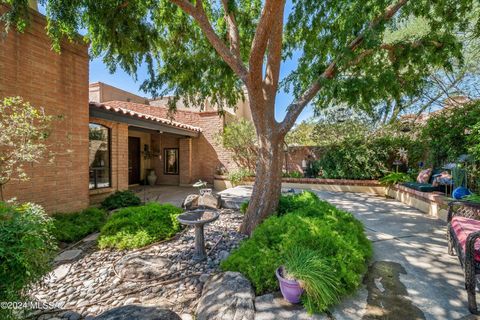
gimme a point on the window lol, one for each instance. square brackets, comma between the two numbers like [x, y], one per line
[99, 156]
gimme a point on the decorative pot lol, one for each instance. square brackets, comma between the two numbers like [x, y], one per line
[460, 192]
[152, 178]
[291, 289]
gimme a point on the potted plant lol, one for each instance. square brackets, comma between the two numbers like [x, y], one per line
[306, 275]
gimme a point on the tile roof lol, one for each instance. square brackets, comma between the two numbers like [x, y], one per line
[113, 107]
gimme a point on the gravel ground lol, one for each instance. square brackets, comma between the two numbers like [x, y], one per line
[163, 274]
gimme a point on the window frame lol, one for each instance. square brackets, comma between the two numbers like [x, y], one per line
[109, 144]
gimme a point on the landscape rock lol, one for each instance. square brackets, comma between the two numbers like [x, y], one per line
[212, 201]
[67, 255]
[138, 313]
[227, 295]
[191, 202]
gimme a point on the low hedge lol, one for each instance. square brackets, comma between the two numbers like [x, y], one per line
[136, 227]
[71, 227]
[311, 224]
[121, 199]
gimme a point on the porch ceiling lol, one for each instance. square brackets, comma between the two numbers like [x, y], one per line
[141, 120]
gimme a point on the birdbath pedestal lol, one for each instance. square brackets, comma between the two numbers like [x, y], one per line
[198, 218]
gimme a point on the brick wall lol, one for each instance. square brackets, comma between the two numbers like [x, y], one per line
[119, 160]
[160, 142]
[297, 154]
[206, 150]
[59, 84]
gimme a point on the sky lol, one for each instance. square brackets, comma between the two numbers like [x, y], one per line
[100, 73]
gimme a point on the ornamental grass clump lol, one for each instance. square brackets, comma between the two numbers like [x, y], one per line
[335, 240]
[136, 227]
[27, 248]
[315, 277]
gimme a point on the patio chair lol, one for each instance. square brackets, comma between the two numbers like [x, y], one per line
[463, 231]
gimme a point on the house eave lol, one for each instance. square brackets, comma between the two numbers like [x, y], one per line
[138, 122]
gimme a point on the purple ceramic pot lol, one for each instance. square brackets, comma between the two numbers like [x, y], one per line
[291, 289]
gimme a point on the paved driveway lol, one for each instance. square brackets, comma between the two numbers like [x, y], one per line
[412, 276]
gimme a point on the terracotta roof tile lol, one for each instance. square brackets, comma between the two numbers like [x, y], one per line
[122, 108]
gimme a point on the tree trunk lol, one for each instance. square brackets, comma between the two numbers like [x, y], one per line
[268, 180]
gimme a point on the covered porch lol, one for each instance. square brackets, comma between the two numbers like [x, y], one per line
[139, 149]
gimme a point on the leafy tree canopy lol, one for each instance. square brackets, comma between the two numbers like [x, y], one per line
[181, 60]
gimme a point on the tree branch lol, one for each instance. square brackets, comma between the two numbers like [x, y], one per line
[233, 34]
[198, 14]
[274, 57]
[260, 40]
[296, 107]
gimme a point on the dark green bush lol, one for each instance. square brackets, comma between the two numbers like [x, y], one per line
[293, 202]
[121, 199]
[27, 248]
[136, 227]
[368, 157]
[448, 133]
[71, 227]
[332, 234]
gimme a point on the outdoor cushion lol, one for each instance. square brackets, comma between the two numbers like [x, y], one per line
[463, 227]
[424, 176]
[423, 187]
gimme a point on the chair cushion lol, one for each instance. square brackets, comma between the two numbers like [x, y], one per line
[422, 187]
[463, 227]
[424, 176]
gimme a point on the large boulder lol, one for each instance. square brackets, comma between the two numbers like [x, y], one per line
[134, 312]
[227, 295]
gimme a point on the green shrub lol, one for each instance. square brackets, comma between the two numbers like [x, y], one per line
[121, 199]
[472, 198]
[136, 227]
[394, 178]
[313, 273]
[289, 203]
[293, 174]
[239, 176]
[244, 207]
[368, 154]
[71, 227]
[332, 234]
[27, 248]
[446, 133]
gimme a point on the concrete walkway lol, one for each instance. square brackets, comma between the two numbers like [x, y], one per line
[411, 275]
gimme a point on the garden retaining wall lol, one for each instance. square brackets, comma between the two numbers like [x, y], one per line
[432, 203]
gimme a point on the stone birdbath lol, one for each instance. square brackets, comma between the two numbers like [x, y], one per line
[198, 218]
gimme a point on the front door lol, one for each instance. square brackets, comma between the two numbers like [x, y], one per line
[133, 160]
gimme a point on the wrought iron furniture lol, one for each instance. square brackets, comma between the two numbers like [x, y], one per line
[462, 233]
